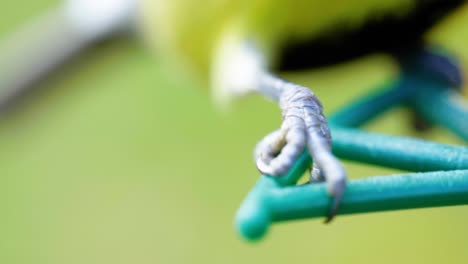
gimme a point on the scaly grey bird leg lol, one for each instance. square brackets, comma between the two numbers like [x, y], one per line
[240, 68]
[304, 125]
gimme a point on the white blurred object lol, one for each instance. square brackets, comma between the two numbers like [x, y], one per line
[98, 18]
[238, 67]
[41, 46]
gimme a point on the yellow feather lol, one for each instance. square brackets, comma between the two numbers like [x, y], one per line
[188, 30]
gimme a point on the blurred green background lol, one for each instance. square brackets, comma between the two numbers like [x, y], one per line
[117, 159]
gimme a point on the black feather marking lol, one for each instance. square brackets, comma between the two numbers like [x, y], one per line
[388, 33]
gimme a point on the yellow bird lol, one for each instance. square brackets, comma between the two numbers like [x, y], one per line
[235, 45]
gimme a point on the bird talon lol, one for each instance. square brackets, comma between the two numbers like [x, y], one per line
[316, 174]
[304, 125]
[333, 210]
[279, 150]
[336, 186]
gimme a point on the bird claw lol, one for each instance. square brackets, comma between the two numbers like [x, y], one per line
[336, 189]
[333, 210]
[304, 125]
[278, 151]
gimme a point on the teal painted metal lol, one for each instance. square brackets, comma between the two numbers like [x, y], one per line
[267, 204]
[443, 183]
[397, 152]
[371, 106]
[444, 107]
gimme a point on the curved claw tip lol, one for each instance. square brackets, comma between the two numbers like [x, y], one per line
[265, 169]
[336, 187]
[337, 196]
[334, 209]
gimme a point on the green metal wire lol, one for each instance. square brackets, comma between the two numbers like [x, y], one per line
[397, 152]
[444, 107]
[267, 204]
[371, 106]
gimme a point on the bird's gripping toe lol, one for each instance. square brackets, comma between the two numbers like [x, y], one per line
[304, 127]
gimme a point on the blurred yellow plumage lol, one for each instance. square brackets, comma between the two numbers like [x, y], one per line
[235, 45]
[190, 30]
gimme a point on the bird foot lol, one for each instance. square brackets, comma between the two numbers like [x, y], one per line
[304, 126]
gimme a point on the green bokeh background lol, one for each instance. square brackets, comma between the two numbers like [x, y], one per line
[117, 159]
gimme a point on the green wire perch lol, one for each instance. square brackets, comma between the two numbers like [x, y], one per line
[440, 172]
